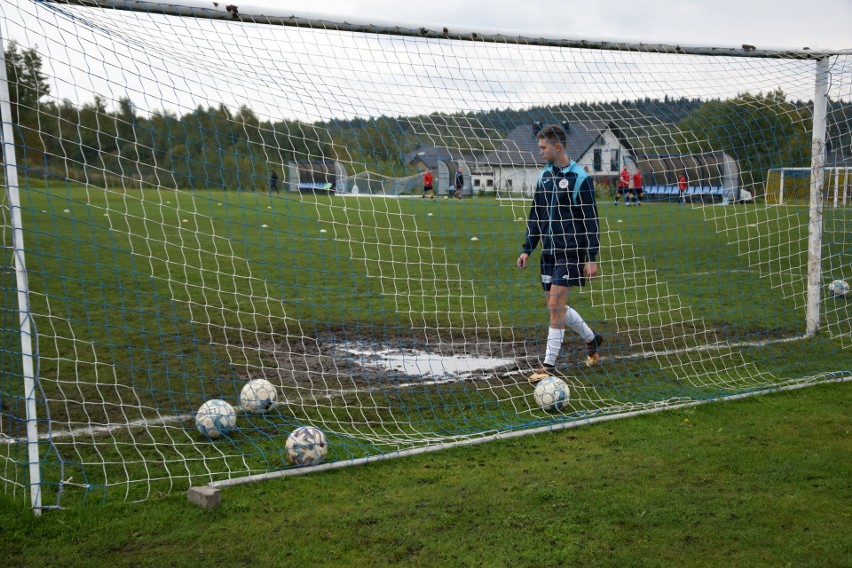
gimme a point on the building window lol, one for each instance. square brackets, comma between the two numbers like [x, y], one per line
[509, 183]
[614, 160]
[489, 182]
[476, 182]
[598, 160]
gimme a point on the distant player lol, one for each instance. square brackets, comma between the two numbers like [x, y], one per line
[459, 183]
[637, 186]
[564, 218]
[681, 188]
[623, 185]
[428, 190]
[273, 182]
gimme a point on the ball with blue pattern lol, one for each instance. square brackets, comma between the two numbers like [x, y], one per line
[215, 418]
[839, 289]
[551, 394]
[305, 446]
[258, 396]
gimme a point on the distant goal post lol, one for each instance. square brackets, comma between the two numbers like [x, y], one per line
[792, 186]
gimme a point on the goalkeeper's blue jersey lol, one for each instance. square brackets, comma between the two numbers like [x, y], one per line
[564, 215]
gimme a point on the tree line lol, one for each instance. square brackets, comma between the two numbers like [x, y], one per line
[216, 147]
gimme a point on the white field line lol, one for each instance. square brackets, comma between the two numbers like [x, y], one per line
[710, 347]
[375, 195]
[145, 423]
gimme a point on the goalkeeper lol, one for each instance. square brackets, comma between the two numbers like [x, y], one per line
[564, 217]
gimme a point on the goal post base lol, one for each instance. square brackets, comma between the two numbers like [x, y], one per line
[204, 496]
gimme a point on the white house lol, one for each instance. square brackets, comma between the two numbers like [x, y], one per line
[515, 166]
[598, 146]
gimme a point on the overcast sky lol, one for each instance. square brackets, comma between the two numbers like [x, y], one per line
[177, 64]
[818, 24]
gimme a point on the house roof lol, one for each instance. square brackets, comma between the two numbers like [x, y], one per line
[520, 147]
[431, 155]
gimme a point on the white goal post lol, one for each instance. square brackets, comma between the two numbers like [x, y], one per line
[180, 219]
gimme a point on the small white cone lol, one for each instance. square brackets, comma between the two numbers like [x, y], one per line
[323, 231]
[264, 226]
[474, 239]
[66, 211]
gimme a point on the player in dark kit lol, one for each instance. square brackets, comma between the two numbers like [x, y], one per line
[458, 182]
[564, 218]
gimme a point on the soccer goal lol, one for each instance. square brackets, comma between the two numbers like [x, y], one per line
[792, 186]
[178, 229]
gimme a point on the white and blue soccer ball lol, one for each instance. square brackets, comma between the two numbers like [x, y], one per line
[306, 445]
[839, 288]
[215, 418]
[551, 394]
[258, 396]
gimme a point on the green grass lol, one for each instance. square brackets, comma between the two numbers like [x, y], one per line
[148, 303]
[757, 482]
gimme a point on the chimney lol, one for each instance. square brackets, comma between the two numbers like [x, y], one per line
[536, 128]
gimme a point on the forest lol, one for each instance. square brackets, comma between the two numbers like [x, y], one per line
[110, 143]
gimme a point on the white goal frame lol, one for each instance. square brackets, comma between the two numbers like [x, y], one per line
[221, 11]
[836, 197]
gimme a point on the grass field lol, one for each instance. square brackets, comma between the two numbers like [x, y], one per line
[147, 304]
[758, 482]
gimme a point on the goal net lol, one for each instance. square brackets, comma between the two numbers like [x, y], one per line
[160, 264]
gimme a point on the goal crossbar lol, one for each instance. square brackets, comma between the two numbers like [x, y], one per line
[272, 16]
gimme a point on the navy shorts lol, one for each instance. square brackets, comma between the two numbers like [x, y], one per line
[563, 269]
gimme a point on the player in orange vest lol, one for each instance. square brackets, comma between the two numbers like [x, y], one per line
[623, 185]
[637, 186]
[427, 184]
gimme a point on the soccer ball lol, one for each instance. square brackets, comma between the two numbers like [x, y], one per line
[258, 396]
[839, 288]
[551, 394]
[215, 418]
[306, 446]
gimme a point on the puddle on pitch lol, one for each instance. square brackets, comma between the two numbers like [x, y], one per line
[420, 364]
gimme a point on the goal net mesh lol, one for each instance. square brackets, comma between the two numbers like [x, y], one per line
[166, 267]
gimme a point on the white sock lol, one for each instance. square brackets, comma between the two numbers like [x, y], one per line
[554, 344]
[576, 323]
